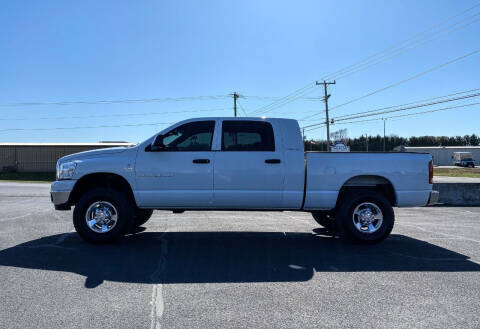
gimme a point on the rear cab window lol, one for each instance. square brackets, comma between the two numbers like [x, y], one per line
[244, 135]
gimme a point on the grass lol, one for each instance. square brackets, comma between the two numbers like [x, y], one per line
[37, 177]
[457, 172]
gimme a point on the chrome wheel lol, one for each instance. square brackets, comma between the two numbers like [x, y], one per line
[101, 216]
[367, 217]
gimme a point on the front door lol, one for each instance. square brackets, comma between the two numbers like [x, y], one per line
[249, 167]
[181, 174]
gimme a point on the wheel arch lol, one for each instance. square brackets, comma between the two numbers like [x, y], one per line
[369, 182]
[101, 179]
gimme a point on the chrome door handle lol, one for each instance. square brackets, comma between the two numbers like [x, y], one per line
[201, 161]
[272, 161]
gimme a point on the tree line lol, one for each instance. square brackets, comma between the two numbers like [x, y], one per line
[375, 143]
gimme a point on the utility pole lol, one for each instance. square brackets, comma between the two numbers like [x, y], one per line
[327, 121]
[366, 141]
[235, 96]
[384, 133]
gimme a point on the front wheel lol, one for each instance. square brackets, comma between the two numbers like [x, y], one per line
[366, 216]
[103, 215]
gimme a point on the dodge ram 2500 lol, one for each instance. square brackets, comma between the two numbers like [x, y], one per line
[238, 164]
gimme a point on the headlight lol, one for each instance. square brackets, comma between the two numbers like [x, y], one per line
[66, 170]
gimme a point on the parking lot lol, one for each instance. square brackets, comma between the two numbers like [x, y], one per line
[235, 270]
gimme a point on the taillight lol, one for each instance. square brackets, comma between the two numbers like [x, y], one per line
[430, 172]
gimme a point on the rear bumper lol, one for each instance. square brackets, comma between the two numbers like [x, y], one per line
[433, 199]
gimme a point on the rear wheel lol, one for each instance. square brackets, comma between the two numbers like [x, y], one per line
[325, 219]
[365, 216]
[103, 215]
[141, 216]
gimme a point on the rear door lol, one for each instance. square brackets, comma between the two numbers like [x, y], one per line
[248, 167]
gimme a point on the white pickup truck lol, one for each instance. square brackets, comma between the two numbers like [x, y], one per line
[239, 164]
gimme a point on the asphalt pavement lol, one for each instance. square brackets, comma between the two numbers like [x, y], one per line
[235, 270]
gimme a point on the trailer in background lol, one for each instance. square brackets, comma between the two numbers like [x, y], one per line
[463, 159]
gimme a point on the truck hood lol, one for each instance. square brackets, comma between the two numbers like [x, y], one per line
[93, 153]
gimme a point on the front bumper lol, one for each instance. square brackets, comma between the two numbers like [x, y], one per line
[59, 197]
[60, 193]
[433, 199]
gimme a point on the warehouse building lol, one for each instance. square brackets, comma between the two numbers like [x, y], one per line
[42, 157]
[442, 155]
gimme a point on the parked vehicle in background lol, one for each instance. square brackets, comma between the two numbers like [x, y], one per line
[463, 159]
[239, 164]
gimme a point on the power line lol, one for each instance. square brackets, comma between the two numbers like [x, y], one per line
[409, 79]
[269, 98]
[389, 107]
[241, 108]
[405, 104]
[286, 99]
[408, 108]
[88, 127]
[119, 101]
[293, 96]
[111, 115]
[432, 111]
[401, 115]
[401, 81]
[389, 49]
[371, 113]
[400, 51]
[166, 123]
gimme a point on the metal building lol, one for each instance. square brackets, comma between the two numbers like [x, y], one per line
[42, 157]
[442, 155]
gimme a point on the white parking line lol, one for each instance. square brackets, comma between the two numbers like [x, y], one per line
[157, 306]
[156, 301]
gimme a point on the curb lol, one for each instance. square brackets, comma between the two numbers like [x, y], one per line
[458, 194]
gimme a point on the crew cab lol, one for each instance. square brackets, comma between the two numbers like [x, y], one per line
[239, 164]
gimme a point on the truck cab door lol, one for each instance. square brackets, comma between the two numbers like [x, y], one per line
[249, 166]
[180, 174]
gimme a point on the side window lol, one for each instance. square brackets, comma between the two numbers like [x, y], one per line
[193, 136]
[247, 136]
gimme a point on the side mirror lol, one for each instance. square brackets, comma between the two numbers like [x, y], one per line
[157, 144]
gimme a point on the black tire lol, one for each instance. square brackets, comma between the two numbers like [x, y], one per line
[345, 216]
[122, 205]
[325, 219]
[141, 216]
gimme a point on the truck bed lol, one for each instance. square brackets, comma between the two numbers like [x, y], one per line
[326, 173]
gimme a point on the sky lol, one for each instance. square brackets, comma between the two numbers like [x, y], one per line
[188, 56]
